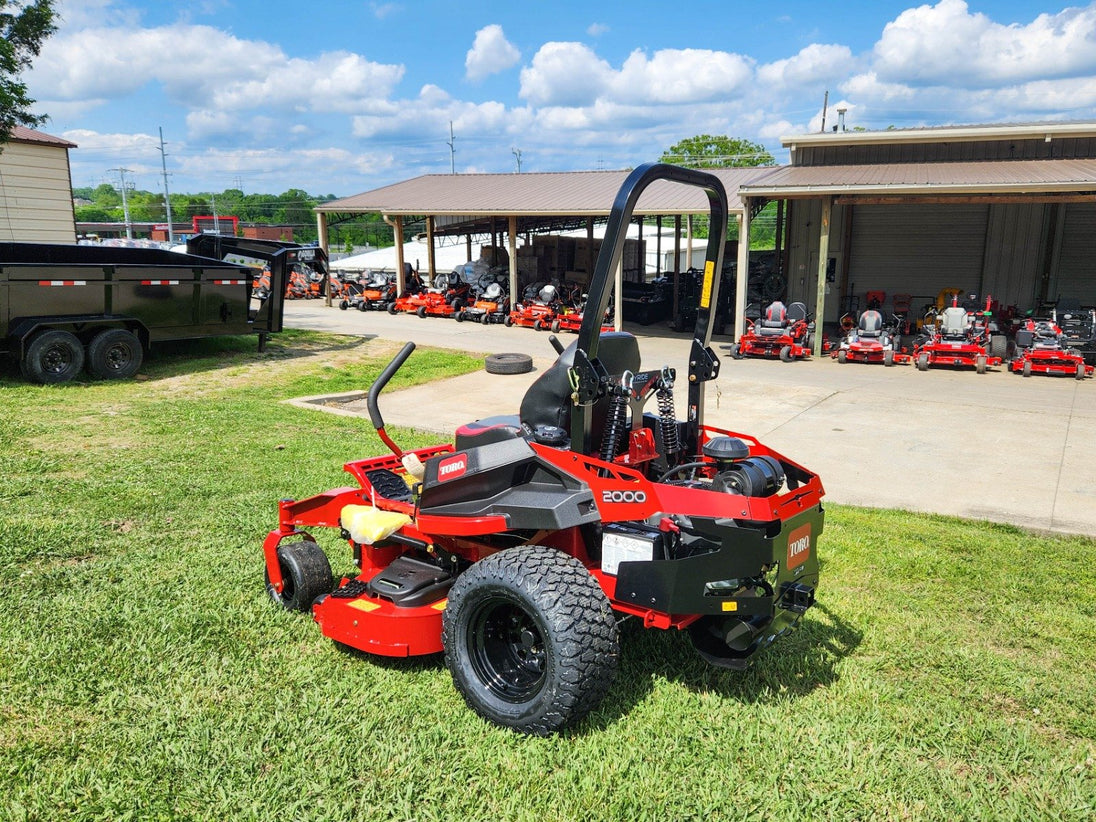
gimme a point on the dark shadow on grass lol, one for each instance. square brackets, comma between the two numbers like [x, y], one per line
[429, 662]
[805, 659]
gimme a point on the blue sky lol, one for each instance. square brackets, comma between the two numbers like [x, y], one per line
[342, 97]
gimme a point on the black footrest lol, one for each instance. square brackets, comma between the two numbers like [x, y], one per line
[389, 484]
[352, 590]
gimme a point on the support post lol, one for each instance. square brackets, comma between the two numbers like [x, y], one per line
[513, 258]
[742, 275]
[321, 236]
[823, 258]
[431, 273]
[401, 280]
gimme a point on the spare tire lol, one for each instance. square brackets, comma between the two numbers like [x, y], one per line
[508, 363]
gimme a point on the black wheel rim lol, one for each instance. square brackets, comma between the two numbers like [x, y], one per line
[507, 650]
[118, 357]
[57, 359]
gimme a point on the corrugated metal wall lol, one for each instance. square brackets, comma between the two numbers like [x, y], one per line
[1014, 239]
[36, 194]
[1075, 275]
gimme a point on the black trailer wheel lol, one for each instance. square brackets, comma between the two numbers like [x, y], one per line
[786, 354]
[53, 357]
[306, 574]
[114, 354]
[508, 363]
[530, 639]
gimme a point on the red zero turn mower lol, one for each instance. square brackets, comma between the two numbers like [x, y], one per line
[870, 341]
[959, 337]
[781, 331]
[1040, 351]
[519, 547]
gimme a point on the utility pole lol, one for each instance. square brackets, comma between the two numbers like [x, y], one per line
[167, 196]
[452, 150]
[216, 222]
[125, 202]
[517, 153]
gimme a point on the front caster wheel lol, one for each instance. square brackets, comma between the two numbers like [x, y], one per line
[306, 574]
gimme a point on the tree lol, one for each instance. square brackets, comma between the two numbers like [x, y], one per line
[708, 151]
[23, 28]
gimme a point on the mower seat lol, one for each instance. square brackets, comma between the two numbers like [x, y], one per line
[797, 313]
[774, 321]
[954, 324]
[548, 400]
[871, 324]
[487, 431]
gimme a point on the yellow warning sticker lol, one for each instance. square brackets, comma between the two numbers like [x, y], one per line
[440, 606]
[730, 606]
[364, 605]
[706, 291]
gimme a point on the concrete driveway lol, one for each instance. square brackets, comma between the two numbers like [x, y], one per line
[995, 446]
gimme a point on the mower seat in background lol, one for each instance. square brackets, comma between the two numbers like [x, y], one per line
[797, 312]
[954, 324]
[871, 324]
[548, 400]
[773, 321]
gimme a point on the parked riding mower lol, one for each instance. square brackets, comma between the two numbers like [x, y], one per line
[517, 548]
[453, 291]
[1041, 351]
[491, 303]
[539, 307]
[416, 296]
[869, 341]
[375, 293]
[785, 332]
[956, 336]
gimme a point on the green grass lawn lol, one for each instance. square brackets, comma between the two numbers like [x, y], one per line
[946, 673]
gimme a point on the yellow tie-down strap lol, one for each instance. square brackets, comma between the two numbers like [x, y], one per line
[367, 524]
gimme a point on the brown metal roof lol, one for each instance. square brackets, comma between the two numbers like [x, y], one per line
[573, 193]
[22, 134]
[1000, 177]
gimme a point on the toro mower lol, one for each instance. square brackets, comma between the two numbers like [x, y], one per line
[784, 332]
[869, 341]
[955, 336]
[517, 549]
[1040, 351]
[417, 296]
[448, 297]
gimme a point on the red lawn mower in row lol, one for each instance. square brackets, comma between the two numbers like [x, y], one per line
[870, 341]
[1040, 351]
[784, 332]
[518, 548]
[375, 292]
[956, 337]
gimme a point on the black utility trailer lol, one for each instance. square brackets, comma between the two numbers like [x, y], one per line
[62, 306]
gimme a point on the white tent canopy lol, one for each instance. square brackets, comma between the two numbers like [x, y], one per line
[446, 258]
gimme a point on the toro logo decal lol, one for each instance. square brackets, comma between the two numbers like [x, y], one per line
[452, 467]
[799, 546]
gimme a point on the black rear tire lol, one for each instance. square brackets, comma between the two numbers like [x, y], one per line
[53, 357]
[530, 639]
[114, 354]
[306, 574]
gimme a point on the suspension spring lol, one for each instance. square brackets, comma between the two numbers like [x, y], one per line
[667, 418]
[616, 421]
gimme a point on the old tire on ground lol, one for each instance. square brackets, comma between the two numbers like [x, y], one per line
[530, 639]
[508, 363]
[52, 357]
[114, 354]
[306, 574]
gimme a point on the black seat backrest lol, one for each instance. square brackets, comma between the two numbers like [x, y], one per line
[871, 324]
[797, 312]
[776, 316]
[548, 400]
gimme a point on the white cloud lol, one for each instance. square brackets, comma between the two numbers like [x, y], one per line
[947, 44]
[677, 76]
[564, 74]
[491, 53]
[597, 29]
[814, 65]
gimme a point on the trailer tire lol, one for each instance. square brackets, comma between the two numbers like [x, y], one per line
[52, 357]
[114, 354]
[305, 572]
[508, 363]
[530, 639]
